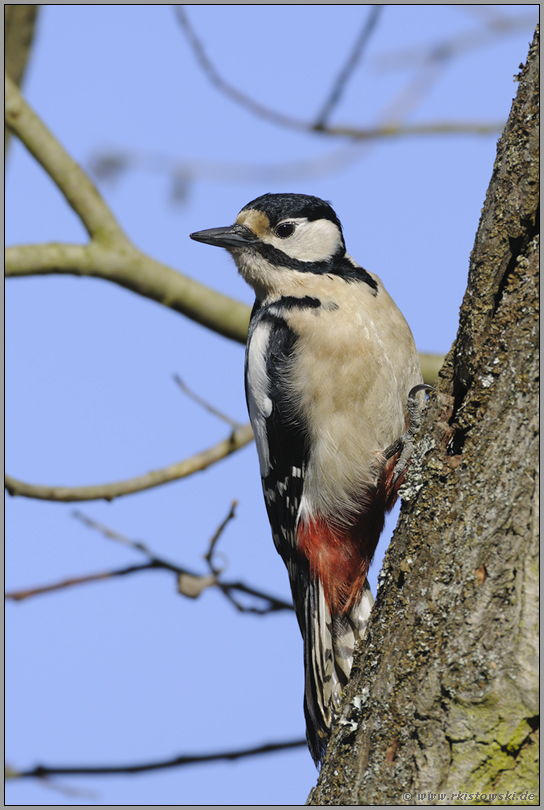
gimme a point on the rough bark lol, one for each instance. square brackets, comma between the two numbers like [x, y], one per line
[443, 695]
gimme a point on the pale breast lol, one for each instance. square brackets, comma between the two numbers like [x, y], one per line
[353, 367]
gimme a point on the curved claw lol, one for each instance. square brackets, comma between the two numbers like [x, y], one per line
[405, 444]
[415, 411]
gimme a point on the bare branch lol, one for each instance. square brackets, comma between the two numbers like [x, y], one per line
[110, 255]
[189, 584]
[206, 405]
[209, 554]
[19, 29]
[134, 270]
[11, 773]
[18, 596]
[110, 533]
[395, 130]
[273, 605]
[239, 438]
[454, 46]
[355, 56]
[355, 133]
[71, 180]
[227, 89]
[488, 15]
[194, 584]
[46, 770]
[66, 790]
[110, 165]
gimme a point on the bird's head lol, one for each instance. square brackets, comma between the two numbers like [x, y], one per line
[279, 236]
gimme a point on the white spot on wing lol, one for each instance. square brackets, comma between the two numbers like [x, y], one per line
[260, 404]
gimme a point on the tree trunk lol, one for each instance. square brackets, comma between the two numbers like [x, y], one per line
[443, 695]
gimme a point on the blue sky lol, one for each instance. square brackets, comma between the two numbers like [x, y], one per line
[127, 670]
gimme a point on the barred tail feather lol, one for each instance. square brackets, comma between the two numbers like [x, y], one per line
[329, 644]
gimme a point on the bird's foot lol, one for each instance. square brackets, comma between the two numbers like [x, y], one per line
[405, 444]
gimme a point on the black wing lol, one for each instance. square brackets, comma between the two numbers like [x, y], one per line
[278, 426]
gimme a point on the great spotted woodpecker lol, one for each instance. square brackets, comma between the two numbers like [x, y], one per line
[330, 365]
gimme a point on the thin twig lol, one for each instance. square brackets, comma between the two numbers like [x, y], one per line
[227, 89]
[113, 535]
[354, 133]
[209, 554]
[488, 15]
[394, 129]
[465, 42]
[355, 56]
[56, 787]
[272, 603]
[18, 596]
[191, 759]
[239, 438]
[189, 583]
[202, 402]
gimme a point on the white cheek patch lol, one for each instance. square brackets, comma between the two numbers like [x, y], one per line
[260, 404]
[311, 242]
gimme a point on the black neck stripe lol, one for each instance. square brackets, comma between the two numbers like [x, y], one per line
[337, 265]
[292, 302]
[272, 311]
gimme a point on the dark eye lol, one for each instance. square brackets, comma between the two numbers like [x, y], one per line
[285, 229]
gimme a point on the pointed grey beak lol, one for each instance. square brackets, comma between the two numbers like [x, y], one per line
[229, 237]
